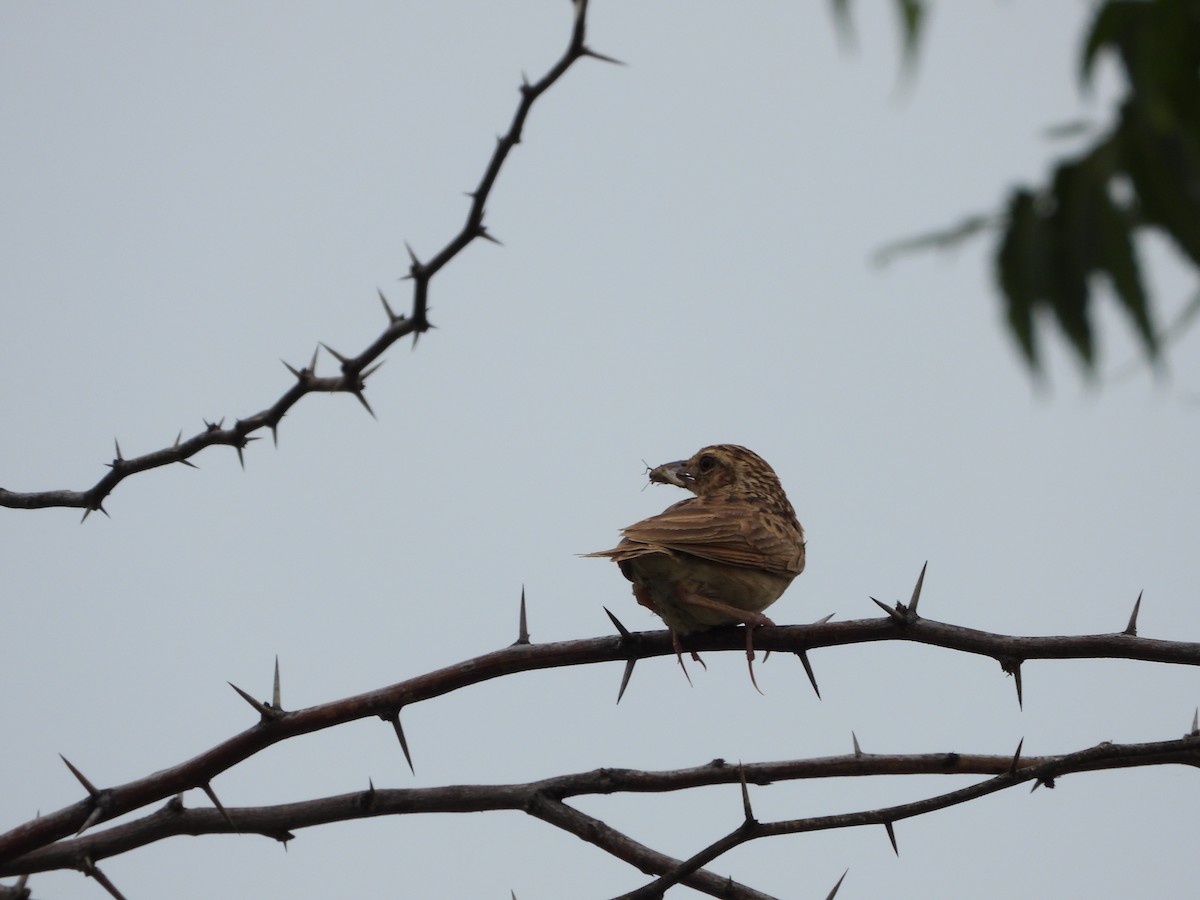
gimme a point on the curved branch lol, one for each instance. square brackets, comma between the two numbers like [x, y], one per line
[276, 724]
[1185, 751]
[354, 370]
[543, 799]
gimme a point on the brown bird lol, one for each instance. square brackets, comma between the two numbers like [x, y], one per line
[718, 558]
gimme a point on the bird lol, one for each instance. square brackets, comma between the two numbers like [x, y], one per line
[720, 557]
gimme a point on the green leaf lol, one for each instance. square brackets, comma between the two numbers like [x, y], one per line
[1119, 261]
[1072, 255]
[843, 21]
[1114, 20]
[1021, 271]
[1164, 168]
[942, 239]
[1066, 130]
[912, 19]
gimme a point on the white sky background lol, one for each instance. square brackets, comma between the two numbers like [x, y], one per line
[192, 192]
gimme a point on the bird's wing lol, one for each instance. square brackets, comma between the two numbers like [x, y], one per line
[725, 530]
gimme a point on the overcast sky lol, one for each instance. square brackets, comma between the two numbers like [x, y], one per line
[192, 192]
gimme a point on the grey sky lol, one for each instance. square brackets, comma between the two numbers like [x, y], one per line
[192, 192]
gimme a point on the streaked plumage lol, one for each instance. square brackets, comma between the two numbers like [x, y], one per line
[718, 558]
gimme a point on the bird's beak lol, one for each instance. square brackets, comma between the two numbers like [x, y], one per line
[675, 473]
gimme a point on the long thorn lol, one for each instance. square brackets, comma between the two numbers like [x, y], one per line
[916, 594]
[276, 697]
[363, 401]
[212, 795]
[90, 870]
[837, 886]
[893, 614]
[745, 795]
[369, 796]
[857, 749]
[625, 676]
[808, 670]
[262, 708]
[1012, 770]
[93, 817]
[412, 256]
[87, 785]
[482, 232]
[91, 509]
[392, 317]
[522, 623]
[395, 720]
[1131, 628]
[617, 622]
[892, 837]
[342, 359]
[600, 56]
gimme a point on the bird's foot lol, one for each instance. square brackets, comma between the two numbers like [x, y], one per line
[678, 647]
[750, 626]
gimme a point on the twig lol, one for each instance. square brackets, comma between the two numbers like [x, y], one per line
[1185, 751]
[355, 370]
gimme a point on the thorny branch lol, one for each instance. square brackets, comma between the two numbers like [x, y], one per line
[544, 800]
[277, 724]
[1014, 771]
[355, 370]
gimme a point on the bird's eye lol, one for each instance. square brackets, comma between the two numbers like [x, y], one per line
[707, 464]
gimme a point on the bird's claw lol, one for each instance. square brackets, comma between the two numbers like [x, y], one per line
[750, 626]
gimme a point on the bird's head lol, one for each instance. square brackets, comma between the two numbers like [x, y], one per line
[720, 469]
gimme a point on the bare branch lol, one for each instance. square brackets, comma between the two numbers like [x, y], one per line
[383, 702]
[1045, 770]
[355, 369]
[544, 800]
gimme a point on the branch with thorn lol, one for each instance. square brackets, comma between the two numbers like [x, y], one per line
[276, 724]
[544, 799]
[355, 370]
